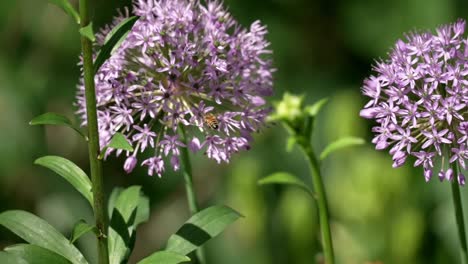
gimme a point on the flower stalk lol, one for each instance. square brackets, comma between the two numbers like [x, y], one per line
[190, 190]
[93, 135]
[321, 197]
[457, 204]
[299, 121]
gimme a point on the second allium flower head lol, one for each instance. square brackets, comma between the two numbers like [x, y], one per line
[419, 99]
[186, 65]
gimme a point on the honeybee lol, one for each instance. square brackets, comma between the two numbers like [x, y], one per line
[211, 121]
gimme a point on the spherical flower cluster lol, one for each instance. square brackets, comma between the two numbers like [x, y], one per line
[183, 66]
[419, 100]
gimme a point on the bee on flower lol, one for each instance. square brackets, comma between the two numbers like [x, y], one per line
[184, 65]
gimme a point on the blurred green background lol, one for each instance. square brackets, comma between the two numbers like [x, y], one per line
[322, 48]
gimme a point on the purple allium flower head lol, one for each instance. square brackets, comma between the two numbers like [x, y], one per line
[419, 100]
[188, 65]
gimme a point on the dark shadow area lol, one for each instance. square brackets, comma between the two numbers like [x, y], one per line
[119, 225]
[193, 234]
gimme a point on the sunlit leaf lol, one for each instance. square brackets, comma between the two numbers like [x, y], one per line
[141, 216]
[128, 201]
[68, 8]
[340, 144]
[122, 224]
[200, 228]
[285, 179]
[119, 238]
[119, 141]
[70, 172]
[88, 32]
[164, 257]
[113, 40]
[290, 143]
[57, 120]
[38, 232]
[6, 258]
[112, 198]
[143, 211]
[314, 109]
[36, 254]
[81, 228]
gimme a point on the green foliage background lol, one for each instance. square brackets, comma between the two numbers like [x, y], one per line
[321, 49]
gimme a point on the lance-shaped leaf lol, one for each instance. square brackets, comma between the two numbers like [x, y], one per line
[143, 211]
[141, 216]
[200, 228]
[311, 114]
[7, 258]
[88, 32]
[68, 8]
[70, 172]
[164, 257]
[112, 198]
[127, 201]
[292, 140]
[36, 254]
[38, 232]
[113, 40]
[122, 224]
[314, 109]
[286, 179]
[340, 144]
[80, 229]
[57, 120]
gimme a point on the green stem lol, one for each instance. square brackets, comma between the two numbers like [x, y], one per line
[190, 190]
[457, 204]
[321, 197]
[93, 135]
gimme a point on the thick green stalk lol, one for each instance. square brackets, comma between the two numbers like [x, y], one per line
[457, 204]
[93, 135]
[321, 197]
[190, 190]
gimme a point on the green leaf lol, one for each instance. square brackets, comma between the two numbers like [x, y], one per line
[311, 112]
[112, 198]
[57, 120]
[339, 144]
[314, 109]
[122, 224]
[6, 258]
[80, 229]
[164, 257]
[36, 254]
[70, 172]
[68, 8]
[38, 232]
[141, 216]
[200, 228]
[128, 201]
[88, 32]
[143, 211]
[287, 179]
[119, 141]
[113, 40]
[290, 143]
